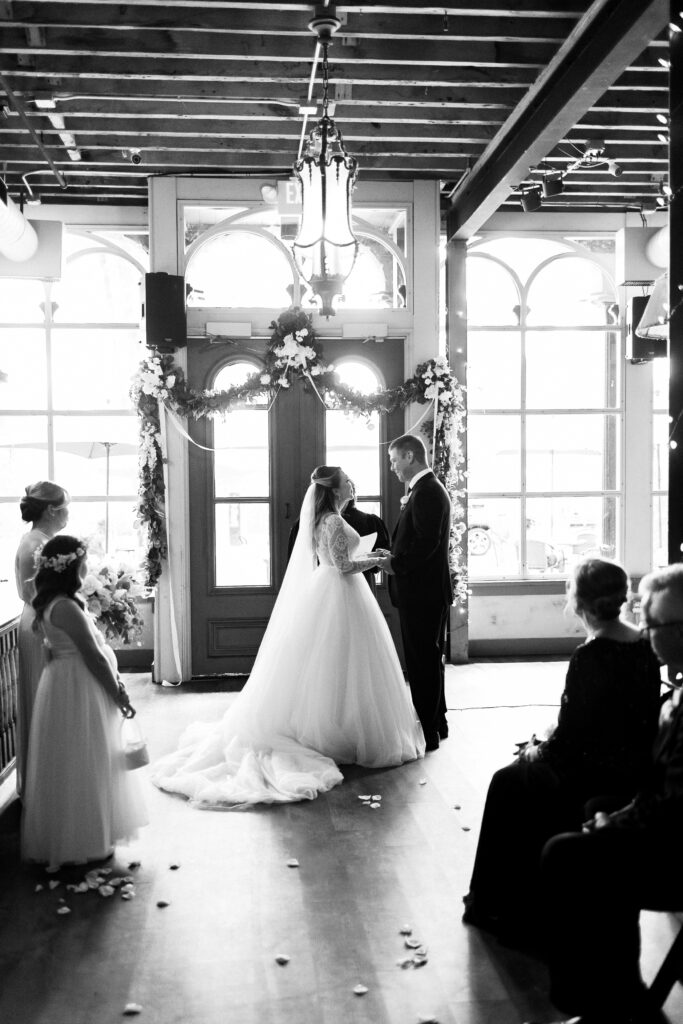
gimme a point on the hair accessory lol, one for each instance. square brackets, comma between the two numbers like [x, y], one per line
[57, 563]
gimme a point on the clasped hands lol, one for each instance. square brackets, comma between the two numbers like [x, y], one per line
[384, 560]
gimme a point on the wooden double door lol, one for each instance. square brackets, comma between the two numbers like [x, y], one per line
[246, 490]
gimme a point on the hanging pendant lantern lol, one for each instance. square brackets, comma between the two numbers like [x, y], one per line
[325, 249]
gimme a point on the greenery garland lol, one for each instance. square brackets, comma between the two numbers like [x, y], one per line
[294, 353]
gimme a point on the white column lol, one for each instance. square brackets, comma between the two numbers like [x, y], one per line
[173, 588]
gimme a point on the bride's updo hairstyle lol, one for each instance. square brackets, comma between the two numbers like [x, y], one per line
[58, 565]
[599, 587]
[325, 478]
[39, 497]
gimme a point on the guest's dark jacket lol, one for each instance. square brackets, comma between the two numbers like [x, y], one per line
[658, 805]
[419, 547]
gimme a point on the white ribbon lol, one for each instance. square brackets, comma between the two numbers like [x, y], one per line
[175, 647]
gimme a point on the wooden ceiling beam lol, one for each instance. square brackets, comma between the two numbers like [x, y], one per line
[475, 8]
[605, 41]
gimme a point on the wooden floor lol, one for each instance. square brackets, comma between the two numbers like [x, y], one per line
[234, 904]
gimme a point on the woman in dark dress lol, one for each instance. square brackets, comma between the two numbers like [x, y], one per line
[600, 747]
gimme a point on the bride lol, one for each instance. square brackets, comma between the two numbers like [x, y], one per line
[326, 687]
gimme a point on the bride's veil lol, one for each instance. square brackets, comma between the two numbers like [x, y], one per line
[261, 703]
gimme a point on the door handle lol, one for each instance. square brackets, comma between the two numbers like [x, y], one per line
[287, 512]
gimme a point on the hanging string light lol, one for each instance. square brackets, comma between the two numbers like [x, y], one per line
[325, 249]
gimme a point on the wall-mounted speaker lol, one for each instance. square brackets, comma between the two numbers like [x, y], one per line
[165, 322]
[640, 350]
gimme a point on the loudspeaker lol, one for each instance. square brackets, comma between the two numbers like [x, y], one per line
[640, 349]
[165, 324]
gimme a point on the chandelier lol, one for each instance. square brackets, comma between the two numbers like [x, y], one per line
[325, 248]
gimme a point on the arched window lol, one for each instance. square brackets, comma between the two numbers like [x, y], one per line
[544, 409]
[241, 487]
[239, 267]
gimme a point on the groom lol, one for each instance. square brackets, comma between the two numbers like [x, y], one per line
[420, 581]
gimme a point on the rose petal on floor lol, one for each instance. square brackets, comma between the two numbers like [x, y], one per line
[162, 903]
[282, 959]
[360, 990]
[63, 910]
[131, 1009]
[292, 862]
[406, 930]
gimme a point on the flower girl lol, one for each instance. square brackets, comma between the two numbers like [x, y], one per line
[79, 799]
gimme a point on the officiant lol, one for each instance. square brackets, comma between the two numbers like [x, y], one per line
[364, 523]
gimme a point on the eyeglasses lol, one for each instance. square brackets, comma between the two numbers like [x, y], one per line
[649, 627]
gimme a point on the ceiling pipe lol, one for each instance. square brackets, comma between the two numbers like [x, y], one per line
[19, 109]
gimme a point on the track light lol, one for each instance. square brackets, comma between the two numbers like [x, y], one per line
[553, 184]
[531, 199]
[18, 239]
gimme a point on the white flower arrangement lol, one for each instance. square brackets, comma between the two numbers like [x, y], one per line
[111, 594]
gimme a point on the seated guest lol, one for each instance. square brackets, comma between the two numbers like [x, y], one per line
[601, 746]
[596, 881]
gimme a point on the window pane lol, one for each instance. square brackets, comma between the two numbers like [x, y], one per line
[375, 280]
[572, 453]
[660, 383]
[493, 453]
[97, 455]
[660, 531]
[568, 370]
[23, 452]
[524, 254]
[574, 528]
[241, 459]
[660, 455]
[20, 302]
[492, 296]
[12, 527]
[233, 374]
[93, 369]
[353, 444]
[239, 269]
[242, 545]
[23, 358]
[99, 287]
[499, 390]
[570, 290]
[108, 528]
[493, 537]
[358, 375]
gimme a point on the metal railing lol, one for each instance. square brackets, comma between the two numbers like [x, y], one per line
[9, 670]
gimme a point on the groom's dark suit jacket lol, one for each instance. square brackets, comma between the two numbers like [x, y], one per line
[419, 547]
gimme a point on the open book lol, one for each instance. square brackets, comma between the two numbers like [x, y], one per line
[365, 546]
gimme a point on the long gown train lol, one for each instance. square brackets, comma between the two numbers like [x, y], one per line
[326, 689]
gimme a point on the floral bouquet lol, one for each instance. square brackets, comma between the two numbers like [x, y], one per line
[110, 593]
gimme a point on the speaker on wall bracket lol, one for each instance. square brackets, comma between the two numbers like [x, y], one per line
[165, 321]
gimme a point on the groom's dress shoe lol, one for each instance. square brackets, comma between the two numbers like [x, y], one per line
[432, 742]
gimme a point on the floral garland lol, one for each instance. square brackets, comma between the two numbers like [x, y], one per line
[295, 353]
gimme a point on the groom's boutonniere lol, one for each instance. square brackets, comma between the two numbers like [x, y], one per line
[404, 501]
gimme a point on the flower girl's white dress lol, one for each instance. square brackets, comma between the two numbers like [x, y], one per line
[326, 689]
[79, 799]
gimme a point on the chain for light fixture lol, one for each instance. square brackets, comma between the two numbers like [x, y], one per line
[325, 249]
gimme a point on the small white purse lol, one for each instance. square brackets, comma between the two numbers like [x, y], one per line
[135, 750]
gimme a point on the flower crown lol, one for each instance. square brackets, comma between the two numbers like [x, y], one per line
[57, 563]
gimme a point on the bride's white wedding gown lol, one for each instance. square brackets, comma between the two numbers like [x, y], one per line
[326, 689]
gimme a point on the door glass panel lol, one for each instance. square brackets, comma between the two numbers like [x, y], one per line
[571, 370]
[241, 458]
[23, 358]
[494, 453]
[353, 441]
[571, 453]
[493, 537]
[499, 390]
[565, 530]
[660, 531]
[242, 544]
